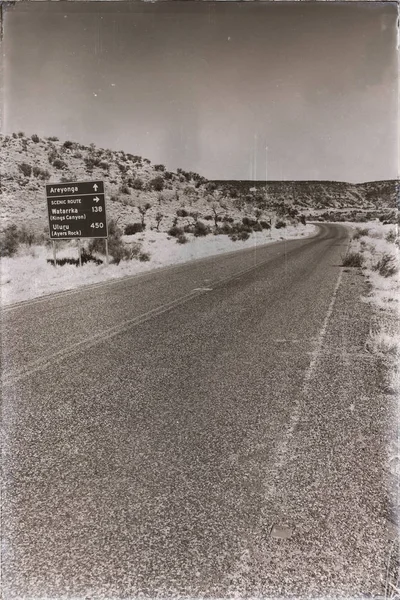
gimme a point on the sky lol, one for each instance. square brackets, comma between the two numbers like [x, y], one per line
[229, 90]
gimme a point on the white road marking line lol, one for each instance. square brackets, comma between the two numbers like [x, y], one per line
[283, 447]
[45, 361]
[321, 336]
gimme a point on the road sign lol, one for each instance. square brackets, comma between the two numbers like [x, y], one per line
[76, 210]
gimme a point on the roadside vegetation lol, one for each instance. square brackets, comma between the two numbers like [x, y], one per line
[376, 249]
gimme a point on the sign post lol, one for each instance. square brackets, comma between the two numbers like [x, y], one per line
[76, 210]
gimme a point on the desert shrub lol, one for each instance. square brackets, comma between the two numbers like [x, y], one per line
[133, 228]
[68, 144]
[25, 169]
[175, 231]
[243, 235]
[280, 224]
[21, 134]
[9, 241]
[188, 228]
[302, 220]
[208, 218]
[59, 164]
[91, 162]
[353, 259]
[168, 175]
[137, 184]
[360, 232]
[41, 173]
[182, 239]
[227, 219]
[181, 212]
[116, 247]
[226, 229]
[157, 184]
[15, 136]
[144, 256]
[35, 138]
[257, 227]
[53, 138]
[104, 165]
[265, 225]
[200, 229]
[392, 236]
[159, 167]
[386, 266]
[124, 189]
[77, 155]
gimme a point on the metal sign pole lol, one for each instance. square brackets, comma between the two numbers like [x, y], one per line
[107, 259]
[80, 252]
[54, 254]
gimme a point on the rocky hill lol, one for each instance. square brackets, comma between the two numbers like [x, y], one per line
[319, 194]
[131, 184]
[134, 185]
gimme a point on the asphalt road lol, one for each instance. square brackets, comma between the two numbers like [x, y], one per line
[158, 427]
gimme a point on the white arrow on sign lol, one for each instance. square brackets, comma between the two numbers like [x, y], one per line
[96, 199]
[95, 186]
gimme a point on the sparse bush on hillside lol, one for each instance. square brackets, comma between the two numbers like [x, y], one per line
[68, 144]
[59, 164]
[11, 238]
[157, 184]
[53, 138]
[52, 156]
[9, 241]
[159, 167]
[168, 175]
[386, 266]
[243, 235]
[104, 165]
[15, 135]
[77, 155]
[182, 239]
[133, 228]
[25, 169]
[41, 173]
[21, 134]
[124, 189]
[353, 259]
[302, 219]
[175, 231]
[181, 212]
[265, 225]
[200, 229]
[137, 184]
[91, 162]
[280, 224]
[35, 138]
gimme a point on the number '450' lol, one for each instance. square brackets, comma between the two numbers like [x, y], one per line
[97, 225]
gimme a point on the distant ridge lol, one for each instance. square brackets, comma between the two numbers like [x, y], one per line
[321, 193]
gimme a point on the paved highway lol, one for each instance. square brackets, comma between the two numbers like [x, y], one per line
[157, 428]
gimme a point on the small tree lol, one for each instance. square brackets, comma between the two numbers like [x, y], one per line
[159, 218]
[143, 210]
[216, 214]
[35, 138]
